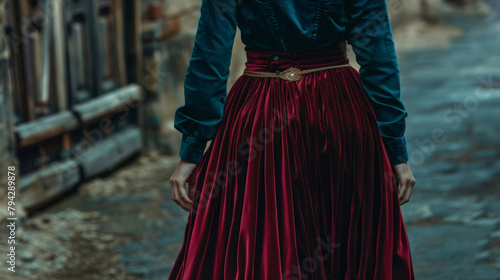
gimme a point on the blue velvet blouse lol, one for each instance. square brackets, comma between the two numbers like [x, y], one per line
[289, 25]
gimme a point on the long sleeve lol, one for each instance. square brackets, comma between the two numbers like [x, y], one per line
[205, 83]
[369, 33]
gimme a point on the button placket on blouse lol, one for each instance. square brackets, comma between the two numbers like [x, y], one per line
[276, 58]
[273, 63]
[275, 21]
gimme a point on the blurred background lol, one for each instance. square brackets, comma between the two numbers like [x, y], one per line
[88, 90]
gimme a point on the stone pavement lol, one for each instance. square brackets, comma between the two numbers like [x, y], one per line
[453, 130]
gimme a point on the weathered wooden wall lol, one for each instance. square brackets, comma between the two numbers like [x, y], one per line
[7, 147]
[68, 112]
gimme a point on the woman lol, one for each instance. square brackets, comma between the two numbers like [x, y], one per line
[300, 180]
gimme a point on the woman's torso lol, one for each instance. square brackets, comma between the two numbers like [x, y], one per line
[289, 25]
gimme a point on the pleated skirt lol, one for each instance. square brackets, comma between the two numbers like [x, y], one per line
[296, 183]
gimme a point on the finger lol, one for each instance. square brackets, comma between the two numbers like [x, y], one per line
[409, 189]
[405, 194]
[188, 203]
[183, 196]
[177, 195]
[183, 204]
[184, 201]
[401, 190]
[173, 191]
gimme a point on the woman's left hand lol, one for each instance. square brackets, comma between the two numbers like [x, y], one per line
[184, 173]
[406, 181]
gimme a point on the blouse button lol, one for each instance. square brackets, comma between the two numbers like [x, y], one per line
[277, 72]
[276, 58]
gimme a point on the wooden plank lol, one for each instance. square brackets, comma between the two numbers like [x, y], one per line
[82, 85]
[7, 118]
[41, 129]
[107, 154]
[59, 37]
[7, 147]
[35, 131]
[129, 141]
[18, 58]
[78, 55]
[29, 66]
[47, 37]
[36, 39]
[108, 103]
[138, 40]
[119, 40]
[91, 24]
[42, 186]
[102, 39]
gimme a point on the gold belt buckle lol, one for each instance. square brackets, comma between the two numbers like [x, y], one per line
[291, 74]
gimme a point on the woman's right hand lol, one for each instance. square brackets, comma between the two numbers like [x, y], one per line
[406, 181]
[184, 173]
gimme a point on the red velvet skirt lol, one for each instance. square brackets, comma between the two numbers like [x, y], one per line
[296, 183]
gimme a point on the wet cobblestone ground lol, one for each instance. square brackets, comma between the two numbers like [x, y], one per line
[453, 130]
[120, 226]
[125, 226]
